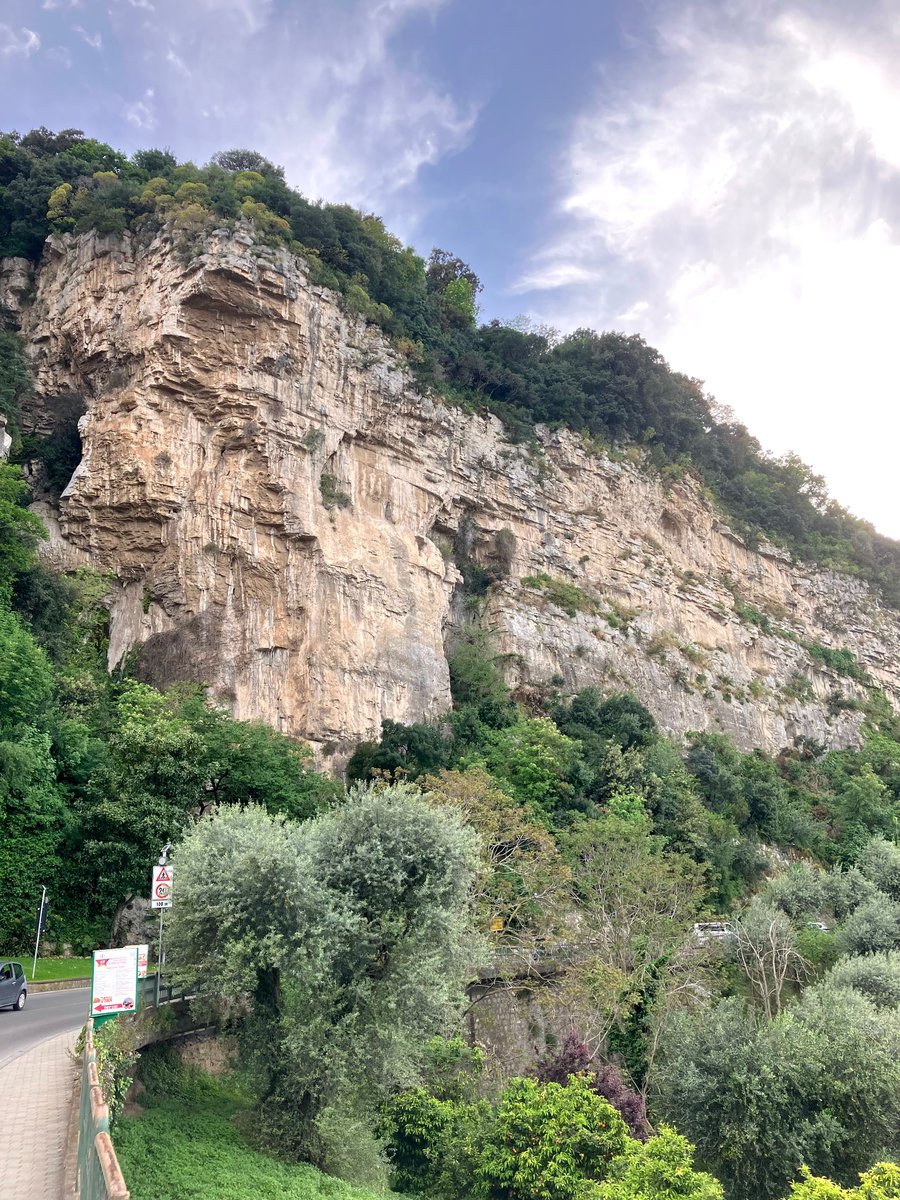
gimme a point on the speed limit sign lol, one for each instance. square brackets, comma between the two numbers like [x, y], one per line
[161, 887]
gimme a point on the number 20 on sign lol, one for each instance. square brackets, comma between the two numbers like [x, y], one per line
[161, 888]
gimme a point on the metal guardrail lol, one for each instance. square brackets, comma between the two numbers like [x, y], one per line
[99, 1174]
[167, 992]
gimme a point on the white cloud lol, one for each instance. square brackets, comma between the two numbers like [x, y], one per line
[142, 113]
[54, 4]
[178, 63]
[25, 42]
[94, 40]
[735, 201]
[324, 91]
[253, 15]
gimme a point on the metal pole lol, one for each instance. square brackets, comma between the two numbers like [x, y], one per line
[37, 940]
[163, 859]
[160, 958]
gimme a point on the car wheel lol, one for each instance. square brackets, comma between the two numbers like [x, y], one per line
[20, 1002]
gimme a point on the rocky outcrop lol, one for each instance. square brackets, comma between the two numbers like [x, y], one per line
[278, 504]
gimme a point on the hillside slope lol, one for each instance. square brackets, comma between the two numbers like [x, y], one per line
[285, 516]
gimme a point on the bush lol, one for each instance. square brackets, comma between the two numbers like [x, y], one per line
[574, 1059]
[874, 926]
[434, 1145]
[567, 596]
[550, 1140]
[875, 975]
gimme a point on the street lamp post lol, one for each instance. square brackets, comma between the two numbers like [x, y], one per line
[42, 916]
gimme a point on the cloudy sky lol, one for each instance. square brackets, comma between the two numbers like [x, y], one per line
[722, 177]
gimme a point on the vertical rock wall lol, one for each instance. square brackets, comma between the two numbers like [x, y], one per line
[277, 503]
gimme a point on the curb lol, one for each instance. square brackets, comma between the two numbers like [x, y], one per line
[70, 1163]
[58, 985]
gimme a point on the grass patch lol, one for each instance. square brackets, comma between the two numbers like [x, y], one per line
[53, 968]
[842, 662]
[186, 1146]
[567, 596]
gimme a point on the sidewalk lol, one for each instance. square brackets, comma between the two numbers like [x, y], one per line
[37, 1094]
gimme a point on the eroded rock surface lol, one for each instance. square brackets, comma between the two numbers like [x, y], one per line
[277, 503]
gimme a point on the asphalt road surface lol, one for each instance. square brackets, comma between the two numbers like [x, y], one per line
[44, 1016]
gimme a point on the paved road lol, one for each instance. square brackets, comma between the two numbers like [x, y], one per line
[45, 1015]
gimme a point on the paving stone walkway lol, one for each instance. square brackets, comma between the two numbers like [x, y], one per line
[37, 1094]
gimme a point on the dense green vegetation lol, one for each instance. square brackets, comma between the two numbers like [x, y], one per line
[615, 389]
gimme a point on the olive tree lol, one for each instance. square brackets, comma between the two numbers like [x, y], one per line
[875, 975]
[336, 947]
[819, 1084]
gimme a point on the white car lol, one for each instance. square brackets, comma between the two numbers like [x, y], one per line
[715, 931]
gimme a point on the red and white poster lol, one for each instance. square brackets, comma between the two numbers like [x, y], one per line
[114, 981]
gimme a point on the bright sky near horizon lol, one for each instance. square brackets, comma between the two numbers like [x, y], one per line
[722, 177]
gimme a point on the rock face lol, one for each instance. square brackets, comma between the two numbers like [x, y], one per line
[278, 504]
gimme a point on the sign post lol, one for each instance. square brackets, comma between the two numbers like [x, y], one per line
[161, 898]
[114, 983]
[42, 917]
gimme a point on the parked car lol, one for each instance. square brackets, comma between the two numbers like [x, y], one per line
[13, 985]
[820, 925]
[716, 931]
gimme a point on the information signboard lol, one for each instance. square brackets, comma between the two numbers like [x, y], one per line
[143, 955]
[114, 982]
[161, 887]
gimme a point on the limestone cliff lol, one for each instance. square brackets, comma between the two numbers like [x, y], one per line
[277, 503]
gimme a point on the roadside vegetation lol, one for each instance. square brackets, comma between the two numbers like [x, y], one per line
[188, 1145]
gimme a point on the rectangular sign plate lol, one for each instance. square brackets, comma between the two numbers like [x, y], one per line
[161, 887]
[114, 982]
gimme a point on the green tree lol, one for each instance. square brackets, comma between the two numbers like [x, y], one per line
[879, 861]
[26, 678]
[538, 764]
[248, 762]
[347, 947]
[818, 1085]
[875, 975]
[33, 824]
[523, 882]
[15, 381]
[20, 531]
[661, 1168]
[548, 1141]
[873, 926]
[634, 960]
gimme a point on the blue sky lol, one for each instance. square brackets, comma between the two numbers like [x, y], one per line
[721, 177]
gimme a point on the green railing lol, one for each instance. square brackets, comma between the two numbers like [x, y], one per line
[99, 1174]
